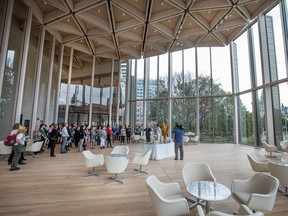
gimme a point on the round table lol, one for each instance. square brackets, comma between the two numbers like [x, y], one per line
[208, 191]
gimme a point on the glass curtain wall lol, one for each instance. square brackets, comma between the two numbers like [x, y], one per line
[278, 70]
[11, 73]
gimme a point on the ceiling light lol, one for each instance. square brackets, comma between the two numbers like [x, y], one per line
[68, 20]
[169, 20]
[209, 38]
[81, 41]
[228, 29]
[209, 11]
[99, 11]
[45, 2]
[155, 30]
[123, 14]
[190, 23]
[162, 3]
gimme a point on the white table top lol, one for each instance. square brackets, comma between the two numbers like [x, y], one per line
[208, 190]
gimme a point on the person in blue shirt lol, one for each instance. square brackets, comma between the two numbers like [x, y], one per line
[178, 140]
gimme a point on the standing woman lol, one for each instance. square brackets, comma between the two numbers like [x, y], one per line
[103, 135]
[19, 147]
[93, 137]
[81, 137]
[54, 136]
[15, 128]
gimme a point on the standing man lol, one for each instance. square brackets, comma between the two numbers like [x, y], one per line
[178, 140]
[65, 136]
[148, 133]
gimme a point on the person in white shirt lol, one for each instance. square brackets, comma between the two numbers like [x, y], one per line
[65, 136]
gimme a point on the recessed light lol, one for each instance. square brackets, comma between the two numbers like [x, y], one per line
[99, 11]
[68, 20]
[190, 23]
[209, 11]
[45, 2]
[162, 3]
[169, 20]
[123, 14]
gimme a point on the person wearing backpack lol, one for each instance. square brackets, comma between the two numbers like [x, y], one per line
[19, 147]
[15, 128]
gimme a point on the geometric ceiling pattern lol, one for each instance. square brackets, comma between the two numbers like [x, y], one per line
[131, 29]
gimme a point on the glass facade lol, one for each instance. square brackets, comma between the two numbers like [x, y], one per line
[232, 94]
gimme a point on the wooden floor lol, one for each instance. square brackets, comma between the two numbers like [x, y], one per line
[59, 186]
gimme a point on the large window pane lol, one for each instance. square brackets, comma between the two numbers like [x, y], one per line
[275, 43]
[245, 119]
[177, 74]
[242, 63]
[152, 77]
[204, 71]
[257, 55]
[163, 76]
[221, 70]
[189, 72]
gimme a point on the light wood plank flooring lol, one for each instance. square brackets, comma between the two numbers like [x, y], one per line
[58, 186]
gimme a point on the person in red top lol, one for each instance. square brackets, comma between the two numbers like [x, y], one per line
[109, 134]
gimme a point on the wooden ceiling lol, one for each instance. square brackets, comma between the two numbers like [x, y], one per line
[131, 29]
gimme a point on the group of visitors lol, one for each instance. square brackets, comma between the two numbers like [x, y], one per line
[82, 136]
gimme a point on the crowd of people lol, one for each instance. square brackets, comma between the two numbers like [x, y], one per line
[82, 137]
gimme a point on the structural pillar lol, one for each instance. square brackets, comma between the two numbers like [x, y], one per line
[23, 64]
[118, 92]
[60, 63]
[111, 92]
[51, 63]
[127, 92]
[68, 85]
[91, 90]
[37, 79]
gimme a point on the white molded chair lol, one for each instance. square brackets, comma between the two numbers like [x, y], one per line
[258, 192]
[258, 164]
[5, 150]
[269, 148]
[197, 171]
[141, 159]
[186, 139]
[120, 150]
[136, 138]
[34, 147]
[284, 145]
[166, 198]
[243, 210]
[280, 171]
[93, 160]
[116, 165]
[194, 140]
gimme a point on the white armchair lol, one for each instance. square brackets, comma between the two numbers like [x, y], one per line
[5, 150]
[269, 148]
[141, 159]
[280, 171]
[258, 192]
[120, 150]
[116, 166]
[166, 198]
[258, 164]
[243, 210]
[196, 172]
[93, 160]
[34, 147]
